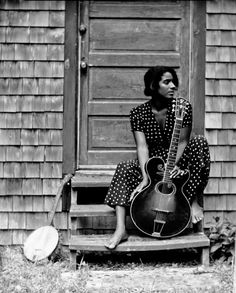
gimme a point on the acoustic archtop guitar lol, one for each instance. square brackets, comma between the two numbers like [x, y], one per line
[161, 209]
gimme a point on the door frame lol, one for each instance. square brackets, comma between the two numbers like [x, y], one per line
[71, 74]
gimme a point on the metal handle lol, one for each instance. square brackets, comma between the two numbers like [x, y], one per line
[82, 29]
[83, 65]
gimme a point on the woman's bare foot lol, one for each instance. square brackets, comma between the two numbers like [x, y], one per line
[197, 212]
[119, 236]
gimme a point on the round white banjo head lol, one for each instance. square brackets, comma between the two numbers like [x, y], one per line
[41, 243]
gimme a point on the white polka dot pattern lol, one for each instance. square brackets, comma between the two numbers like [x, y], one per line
[196, 157]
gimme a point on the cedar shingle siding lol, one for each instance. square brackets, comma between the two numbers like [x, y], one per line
[31, 114]
[221, 108]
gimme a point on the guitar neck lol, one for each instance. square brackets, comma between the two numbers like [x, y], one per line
[171, 159]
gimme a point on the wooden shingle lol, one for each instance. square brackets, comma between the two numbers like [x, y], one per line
[213, 120]
[39, 120]
[51, 170]
[30, 86]
[221, 21]
[18, 237]
[44, 86]
[3, 34]
[42, 69]
[13, 120]
[55, 52]
[212, 186]
[56, 18]
[32, 170]
[54, 120]
[13, 154]
[33, 153]
[22, 203]
[39, 51]
[17, 35]
[32, 186]
[53, 154]
[26, 122]
[6, 237]
[228, 169]
[222, 137]
[23, 52]
[39, 18]
[56, 103]
[38, 204]
[6, 203]
[44, 137]
[10, 137]
[18, 18]
[4, 18]
[29, 137]
[17, 221]
[39, 104]
[227, 104]
[13, 186]
[216, 170]
[211, 136]
[50, 186]
[4, 220]
[35, 220]
[8, 51]
[13, 170]
[232, 137]
[229, 120]
[56, 137]
[56, 86]
[57, 5]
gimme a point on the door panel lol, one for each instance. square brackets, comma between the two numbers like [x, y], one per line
[134, 34]
[122, 40]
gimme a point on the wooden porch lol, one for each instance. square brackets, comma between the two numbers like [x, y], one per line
[92, 224]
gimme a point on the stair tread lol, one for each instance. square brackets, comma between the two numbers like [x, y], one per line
[92, 178]
[91, 210]
[137, 243]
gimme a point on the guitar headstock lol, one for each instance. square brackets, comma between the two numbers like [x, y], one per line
[180, 108]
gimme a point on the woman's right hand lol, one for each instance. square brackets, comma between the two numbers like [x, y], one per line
[139, 188]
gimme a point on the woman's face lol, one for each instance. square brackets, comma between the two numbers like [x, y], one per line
[166, 86]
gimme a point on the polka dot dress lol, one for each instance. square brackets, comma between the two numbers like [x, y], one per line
[195, 158]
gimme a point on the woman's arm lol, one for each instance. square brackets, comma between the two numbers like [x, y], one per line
[183, 141]
[143, 156]
[142, 151]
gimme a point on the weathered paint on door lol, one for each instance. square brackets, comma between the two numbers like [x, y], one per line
[118, 41]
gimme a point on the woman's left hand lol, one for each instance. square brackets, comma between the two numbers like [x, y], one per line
[177, 172]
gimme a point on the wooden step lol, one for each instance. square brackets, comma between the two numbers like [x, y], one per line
[137, 243]
[91, 210]
[92, 178]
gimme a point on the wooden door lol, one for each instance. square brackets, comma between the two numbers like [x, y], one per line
[118, 42]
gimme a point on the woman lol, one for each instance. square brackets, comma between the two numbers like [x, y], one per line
[152, 125]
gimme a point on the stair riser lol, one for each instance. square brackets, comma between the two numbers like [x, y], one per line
[101, 223]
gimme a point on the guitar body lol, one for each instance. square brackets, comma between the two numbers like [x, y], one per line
[161, 209]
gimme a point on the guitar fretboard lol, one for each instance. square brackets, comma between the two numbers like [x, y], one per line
[173, 150]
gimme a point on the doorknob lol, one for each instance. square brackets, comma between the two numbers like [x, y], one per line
[83, 65]
[82, 29]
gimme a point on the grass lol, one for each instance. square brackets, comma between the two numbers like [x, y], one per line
[19, 275]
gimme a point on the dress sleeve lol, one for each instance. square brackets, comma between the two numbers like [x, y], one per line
[136, 121]
[188, 117]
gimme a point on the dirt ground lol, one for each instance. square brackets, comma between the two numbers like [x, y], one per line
[157, 280]
[162, 279]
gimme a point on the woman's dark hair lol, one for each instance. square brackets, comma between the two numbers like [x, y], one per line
[153, 76]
